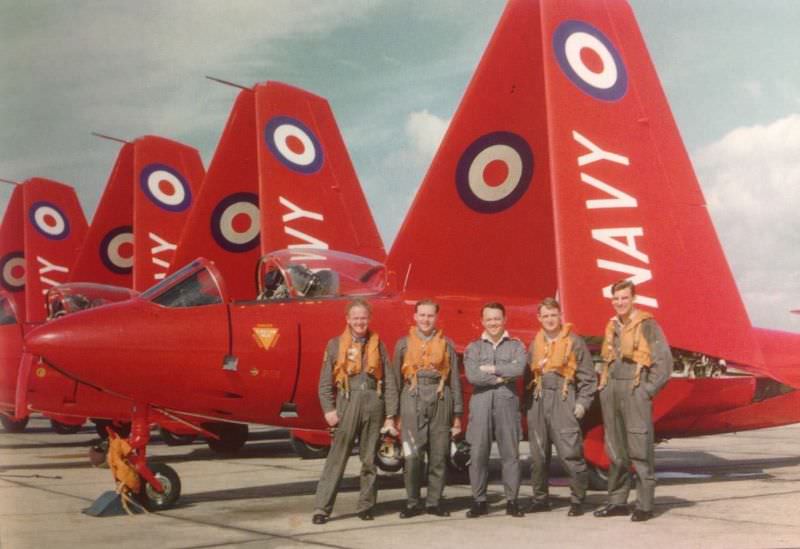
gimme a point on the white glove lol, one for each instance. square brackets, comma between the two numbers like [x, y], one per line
[579, 411]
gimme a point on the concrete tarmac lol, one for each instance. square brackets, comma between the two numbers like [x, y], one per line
[736, 490]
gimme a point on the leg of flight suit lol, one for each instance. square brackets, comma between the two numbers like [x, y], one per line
[539, 441]
[568, 440]
[412, 445]
[612, 400]
[440, 417]
[479, 436]
[371, 421]
[639, 422]
[507, 432]
[338, 454]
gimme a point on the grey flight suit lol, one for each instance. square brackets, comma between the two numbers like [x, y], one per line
[551, 420]
[628, 418]
[426, 421]
[361, 415]
[494, 411]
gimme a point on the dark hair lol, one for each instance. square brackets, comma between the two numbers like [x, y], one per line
[549, 303]
[494, 305]
[623, 284]
[422, 302]
[357, 302]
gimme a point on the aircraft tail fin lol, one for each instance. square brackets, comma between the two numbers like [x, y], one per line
[12, 252]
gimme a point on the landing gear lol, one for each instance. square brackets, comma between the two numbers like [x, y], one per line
[232, 437]
[306, 450]
[64, 428]
[154, 500]
[175, 439]
[598, 479]
[12, 426]
[123, 429]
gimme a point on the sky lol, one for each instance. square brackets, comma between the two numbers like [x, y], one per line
[394, 72]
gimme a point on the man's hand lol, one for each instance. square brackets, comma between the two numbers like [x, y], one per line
[580, 411]
[488, 368]
[498, 380]
[332, 418]
[455, 430]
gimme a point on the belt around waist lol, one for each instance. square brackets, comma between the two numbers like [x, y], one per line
[425, 380]
[363, 385]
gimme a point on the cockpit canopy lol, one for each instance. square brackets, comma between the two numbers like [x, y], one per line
[312, 274]
[196, 284]
[76, 296]
[7, 310]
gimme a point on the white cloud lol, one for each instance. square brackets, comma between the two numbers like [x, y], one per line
[751, 180]
[425, 131]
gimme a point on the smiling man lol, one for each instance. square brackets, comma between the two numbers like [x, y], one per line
[493, 364]
[562, 387]
[638, 364]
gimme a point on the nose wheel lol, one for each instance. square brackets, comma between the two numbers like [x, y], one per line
[166, 476]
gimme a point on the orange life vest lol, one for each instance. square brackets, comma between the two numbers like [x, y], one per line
[428, 354]
[632, 346]
[124, 474]
[349, 359]
[553, 356]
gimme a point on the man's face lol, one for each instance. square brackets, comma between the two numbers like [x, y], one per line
[358, 321]
[550, 319]
[622, 301]
[494, 322]
[425, 317]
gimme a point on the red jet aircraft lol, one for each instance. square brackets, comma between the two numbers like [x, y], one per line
[225, 224]
[42, 230]
[562, 171]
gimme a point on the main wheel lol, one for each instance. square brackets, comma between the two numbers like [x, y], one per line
[64, 428]
[155, 501]
[12, 426]
[598, 479]
[174, 439]
[232, 437]
[306, 450]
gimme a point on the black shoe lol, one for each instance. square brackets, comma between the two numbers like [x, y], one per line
[409, 512]
[319, 518]
[613, 510]
[641, 516]
[477, 509]
[512, 509]
[575, 510]
[366, 515]
[539, 506]
[437, 510]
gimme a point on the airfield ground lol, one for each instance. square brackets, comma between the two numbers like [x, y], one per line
[736, 490]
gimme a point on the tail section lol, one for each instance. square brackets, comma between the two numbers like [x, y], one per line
[625, 198]
[482, 221]
[12, 252]
[106, 256]
[167, 177]
[54, 228]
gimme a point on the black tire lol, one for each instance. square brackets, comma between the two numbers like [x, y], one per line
[598, 479]
[122, 429]
[12, 426]
[171, 483]
[64, 428]
[174, 439]
[307, 450]
[232, 437]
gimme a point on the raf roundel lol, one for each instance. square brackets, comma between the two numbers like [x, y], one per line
[116, 250]
[589, 59]
[494, 172]
[165, 187]
[12, 271]
[293, 144]
[49, 220]
[235, 222]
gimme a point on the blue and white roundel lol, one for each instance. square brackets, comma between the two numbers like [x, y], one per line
[165, 187]
[12, 271]
[236, 222]
[590, 60]
[494, 172]
[293, 144]
[116, 250]
[49, 220]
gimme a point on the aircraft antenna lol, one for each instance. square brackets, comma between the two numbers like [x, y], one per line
[227, 83]
[10, 182]
[104, 136]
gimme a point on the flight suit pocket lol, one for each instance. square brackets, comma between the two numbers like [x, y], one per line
[638, 443]
[570, 443]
